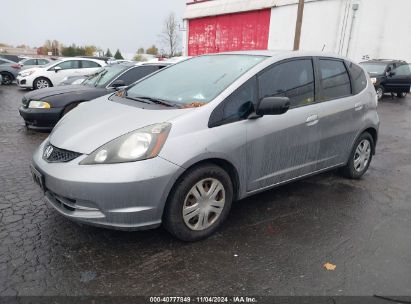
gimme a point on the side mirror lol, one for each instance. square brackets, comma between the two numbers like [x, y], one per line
[273, 106]
[56, 69]
[392, 73]
[118, 84]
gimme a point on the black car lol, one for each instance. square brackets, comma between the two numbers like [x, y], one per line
[389, 76]
[43, 108]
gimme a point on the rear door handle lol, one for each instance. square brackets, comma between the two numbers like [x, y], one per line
[358, 106]
[312, 120]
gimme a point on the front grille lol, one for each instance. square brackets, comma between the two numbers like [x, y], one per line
[53, 154]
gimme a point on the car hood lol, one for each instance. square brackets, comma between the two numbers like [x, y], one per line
[93, 124]
[59, 90]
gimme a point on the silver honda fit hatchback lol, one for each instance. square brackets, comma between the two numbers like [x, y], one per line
[179, 146]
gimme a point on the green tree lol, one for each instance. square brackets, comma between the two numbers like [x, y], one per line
[153, 50]
[108, 53]
[89, 50]
[139, 57]
[140, 51]
[118, 55]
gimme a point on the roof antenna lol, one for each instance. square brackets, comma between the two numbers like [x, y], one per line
[323, 47]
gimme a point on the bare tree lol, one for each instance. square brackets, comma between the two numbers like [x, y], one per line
[170, 34]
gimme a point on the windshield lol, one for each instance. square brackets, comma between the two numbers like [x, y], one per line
[194, 81]
[374, 68]
[103, 76]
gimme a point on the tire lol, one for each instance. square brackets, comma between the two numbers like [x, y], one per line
[191, 228]
[380, 92]
[402, 94]
[41, 83]
[360, 157]
[7, 78]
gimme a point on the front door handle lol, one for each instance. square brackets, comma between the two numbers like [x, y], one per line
[358, 106]
[312, 120]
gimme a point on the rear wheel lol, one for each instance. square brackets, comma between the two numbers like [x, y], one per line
[41, 83]
[7, 78]
[402, 94]
[360, 157]
[199, 203]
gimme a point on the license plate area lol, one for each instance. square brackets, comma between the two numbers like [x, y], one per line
[38, 178]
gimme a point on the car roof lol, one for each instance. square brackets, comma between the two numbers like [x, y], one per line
[79, 58]
[283, 54]
[386, 61]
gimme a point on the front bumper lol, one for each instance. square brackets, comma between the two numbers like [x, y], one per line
[128, 196]
[24, 82]
[41, 118]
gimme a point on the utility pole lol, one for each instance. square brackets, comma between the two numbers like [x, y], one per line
[298, 25]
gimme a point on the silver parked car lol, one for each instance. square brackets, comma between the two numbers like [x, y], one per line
[179, 146]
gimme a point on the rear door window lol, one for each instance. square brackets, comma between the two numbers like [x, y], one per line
[293, 79]
[334, 79]
[30, 62]
[42, 61]
[87, 64]
[358, 78]
[69, 64]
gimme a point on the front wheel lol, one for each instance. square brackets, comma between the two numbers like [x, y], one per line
[360, 157]
[380, 92]
[41, 83]
[199, 203]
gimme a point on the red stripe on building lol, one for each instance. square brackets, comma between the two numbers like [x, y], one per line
[232, 32]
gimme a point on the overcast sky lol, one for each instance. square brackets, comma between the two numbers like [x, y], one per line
[123, 24]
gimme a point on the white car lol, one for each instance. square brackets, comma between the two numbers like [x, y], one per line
[53, 73]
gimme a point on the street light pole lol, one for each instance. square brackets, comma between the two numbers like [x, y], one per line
[298, 25]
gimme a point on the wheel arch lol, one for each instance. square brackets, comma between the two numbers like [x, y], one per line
[222, 163]
[44, 77]
[373, 132]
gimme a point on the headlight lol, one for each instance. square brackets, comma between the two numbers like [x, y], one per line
[34, 104]
[374, 80]
[25, 74]
[140, 144]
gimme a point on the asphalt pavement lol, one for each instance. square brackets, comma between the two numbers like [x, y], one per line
[274, 243]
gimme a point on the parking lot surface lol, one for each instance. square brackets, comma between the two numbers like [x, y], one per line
[274, 243]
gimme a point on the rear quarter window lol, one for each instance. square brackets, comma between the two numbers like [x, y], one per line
[358, 78]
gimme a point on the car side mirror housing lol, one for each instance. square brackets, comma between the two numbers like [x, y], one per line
[273, 106]
[392, 73]
[56, 69]
[117, 84]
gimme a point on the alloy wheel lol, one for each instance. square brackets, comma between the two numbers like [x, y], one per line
[7, 79]
[42, 83]
[204, 204]
[362, 155]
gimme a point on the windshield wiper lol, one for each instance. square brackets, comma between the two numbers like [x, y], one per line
[136, 99]
[159, 101]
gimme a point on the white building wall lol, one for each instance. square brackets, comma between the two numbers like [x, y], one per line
[377, 29]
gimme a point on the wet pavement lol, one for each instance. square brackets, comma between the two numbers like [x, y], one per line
[274, 243]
